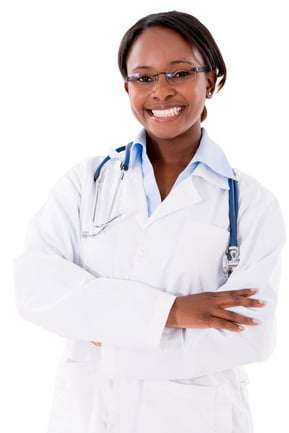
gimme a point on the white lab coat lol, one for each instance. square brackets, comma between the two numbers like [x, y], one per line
[118, 286]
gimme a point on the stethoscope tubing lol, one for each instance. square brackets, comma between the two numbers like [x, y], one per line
[233, 211]
[124, 164]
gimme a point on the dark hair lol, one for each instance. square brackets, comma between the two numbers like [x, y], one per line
[189, 27]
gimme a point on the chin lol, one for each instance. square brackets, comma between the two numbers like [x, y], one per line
[166, 132]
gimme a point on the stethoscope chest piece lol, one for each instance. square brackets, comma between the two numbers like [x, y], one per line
[230, 260]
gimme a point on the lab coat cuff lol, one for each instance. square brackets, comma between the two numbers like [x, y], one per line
[158, 324]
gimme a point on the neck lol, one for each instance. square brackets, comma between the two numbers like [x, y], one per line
[176, 151]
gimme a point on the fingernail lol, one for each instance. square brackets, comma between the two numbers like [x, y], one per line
[260, 301]
[256, 321]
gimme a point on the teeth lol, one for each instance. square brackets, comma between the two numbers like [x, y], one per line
[167, 113]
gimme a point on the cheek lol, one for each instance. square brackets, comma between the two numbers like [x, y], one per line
[197, 97]
[136, 102]
[133, 96]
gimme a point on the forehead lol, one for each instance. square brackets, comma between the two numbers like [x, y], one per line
[160, 45]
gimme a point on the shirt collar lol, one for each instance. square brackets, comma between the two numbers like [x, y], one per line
[209, 159]
[139, 144]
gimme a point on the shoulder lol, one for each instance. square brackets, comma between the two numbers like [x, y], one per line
[85, 168]
[79, 175]
[258, 204]
[252, 189]
[71, 187]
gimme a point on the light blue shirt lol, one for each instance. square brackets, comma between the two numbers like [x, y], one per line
[208, 153]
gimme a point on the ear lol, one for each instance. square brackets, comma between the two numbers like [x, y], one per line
[211, 83]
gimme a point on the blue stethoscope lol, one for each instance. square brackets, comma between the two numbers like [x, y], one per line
[231, 255]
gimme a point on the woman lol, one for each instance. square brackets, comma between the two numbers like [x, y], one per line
[127, 264]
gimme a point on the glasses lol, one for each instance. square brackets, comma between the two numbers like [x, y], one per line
[175, 78]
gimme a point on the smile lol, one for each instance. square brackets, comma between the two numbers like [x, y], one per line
[170, 112]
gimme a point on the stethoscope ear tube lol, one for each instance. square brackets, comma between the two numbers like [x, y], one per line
[125, 163]
[107, 158]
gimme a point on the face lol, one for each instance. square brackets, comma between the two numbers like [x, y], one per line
[167, 110]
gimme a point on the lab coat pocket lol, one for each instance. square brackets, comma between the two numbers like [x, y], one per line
[170, 407]
[76, 399]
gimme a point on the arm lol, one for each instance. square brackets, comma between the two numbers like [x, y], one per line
[211, 310]
[55, 292]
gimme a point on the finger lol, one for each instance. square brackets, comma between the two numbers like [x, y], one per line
[228, 325]
[241, 292]
[240, 301]
[239, 318]
[96, 343]
[234, 299]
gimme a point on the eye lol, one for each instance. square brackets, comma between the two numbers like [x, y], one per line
[144, 78]
[181, 74]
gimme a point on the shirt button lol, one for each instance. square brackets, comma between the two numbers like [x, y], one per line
[114, 419]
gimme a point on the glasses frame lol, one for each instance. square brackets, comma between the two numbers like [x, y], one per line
[133, 78]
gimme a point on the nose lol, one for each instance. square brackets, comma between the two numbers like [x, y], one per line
[162, 88]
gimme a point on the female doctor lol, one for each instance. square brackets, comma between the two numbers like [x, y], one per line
[125, 260]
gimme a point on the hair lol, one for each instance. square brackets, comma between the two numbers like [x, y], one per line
[190, 28]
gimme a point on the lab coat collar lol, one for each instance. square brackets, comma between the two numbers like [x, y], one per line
[210, 154]
[211, 176]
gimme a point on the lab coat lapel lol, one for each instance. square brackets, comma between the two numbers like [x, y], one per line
[183, 195]
[189, 192]
[134, 199]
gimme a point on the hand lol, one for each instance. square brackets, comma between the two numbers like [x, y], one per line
[96, 343]
[209, 310]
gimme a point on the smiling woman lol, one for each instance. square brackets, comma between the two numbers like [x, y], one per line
[157, 334]
[170, 104]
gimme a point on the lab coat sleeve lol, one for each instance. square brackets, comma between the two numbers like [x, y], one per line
[55, 292]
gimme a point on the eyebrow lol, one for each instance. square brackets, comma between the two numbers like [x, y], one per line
[173, 62]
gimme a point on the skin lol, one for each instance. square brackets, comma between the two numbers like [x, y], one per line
[171, 144]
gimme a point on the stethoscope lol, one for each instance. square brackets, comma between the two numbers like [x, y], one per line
[231, 255]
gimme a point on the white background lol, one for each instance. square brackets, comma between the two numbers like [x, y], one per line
[62, 99]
